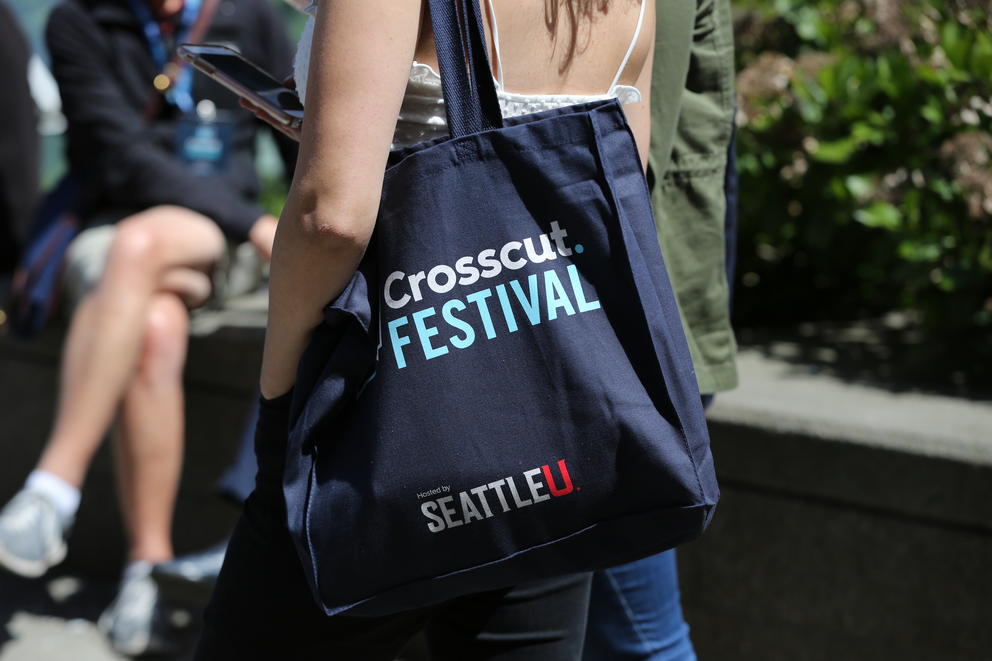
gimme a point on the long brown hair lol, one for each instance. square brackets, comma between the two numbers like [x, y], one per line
[576, 12]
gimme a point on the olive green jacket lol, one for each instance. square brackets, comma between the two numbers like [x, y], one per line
[692, 109]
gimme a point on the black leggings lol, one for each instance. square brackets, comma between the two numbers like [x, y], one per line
[263, 609]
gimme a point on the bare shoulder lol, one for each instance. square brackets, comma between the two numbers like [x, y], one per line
[569, 46]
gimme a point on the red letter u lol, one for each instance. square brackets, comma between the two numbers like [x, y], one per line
[567, 481]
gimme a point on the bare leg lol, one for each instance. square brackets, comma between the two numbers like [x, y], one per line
[70, 462]
[148, 256]
[148, 438]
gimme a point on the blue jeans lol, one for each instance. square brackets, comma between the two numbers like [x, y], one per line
[634, 613]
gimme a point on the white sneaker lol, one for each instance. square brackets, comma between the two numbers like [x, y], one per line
[135, 623]
[32, 534]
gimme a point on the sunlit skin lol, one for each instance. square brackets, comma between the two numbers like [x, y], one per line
[165, 8]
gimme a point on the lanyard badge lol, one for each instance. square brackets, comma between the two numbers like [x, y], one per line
[176, 82]
[203, 140]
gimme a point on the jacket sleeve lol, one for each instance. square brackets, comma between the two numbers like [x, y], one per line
[689, 166]
[125, 161]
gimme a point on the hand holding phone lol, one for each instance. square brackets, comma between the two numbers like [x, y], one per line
[289, 131]
[259, 91]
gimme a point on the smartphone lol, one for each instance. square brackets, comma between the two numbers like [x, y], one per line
[241, 76]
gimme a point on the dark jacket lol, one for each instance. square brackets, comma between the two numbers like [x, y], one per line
[104, 69]
[18, 141]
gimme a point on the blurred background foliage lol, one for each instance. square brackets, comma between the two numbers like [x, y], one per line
[865, 161]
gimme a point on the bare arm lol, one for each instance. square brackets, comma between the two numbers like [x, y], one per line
[358, 71]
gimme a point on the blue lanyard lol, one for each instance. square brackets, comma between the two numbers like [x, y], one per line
[180, 93]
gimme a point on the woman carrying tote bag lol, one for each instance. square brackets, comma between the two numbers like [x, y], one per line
[371, 401]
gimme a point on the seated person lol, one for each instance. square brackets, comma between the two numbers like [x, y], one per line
[163, 198]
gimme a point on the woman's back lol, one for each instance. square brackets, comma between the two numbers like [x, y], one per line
[543, 60]
[572, 48]
[575, 49]
[542, 55]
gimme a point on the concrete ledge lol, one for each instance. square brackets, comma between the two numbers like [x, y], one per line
[855, 523]
[924, 456]
[788, 398]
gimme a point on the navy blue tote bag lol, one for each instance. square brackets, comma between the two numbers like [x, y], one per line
[503, 391]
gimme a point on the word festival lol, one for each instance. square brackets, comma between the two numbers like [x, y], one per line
[538, 297]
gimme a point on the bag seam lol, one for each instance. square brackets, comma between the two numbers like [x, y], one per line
[618, 210]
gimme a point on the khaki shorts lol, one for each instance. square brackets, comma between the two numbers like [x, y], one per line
[237, 272]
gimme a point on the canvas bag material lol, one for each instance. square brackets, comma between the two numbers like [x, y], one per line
[503, 391]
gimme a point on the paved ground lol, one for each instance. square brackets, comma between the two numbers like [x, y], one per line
[52, 639]
[53, 619]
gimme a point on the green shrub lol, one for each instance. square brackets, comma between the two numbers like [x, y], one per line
[865, 160]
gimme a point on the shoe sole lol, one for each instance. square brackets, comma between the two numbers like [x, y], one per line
[136, 645]
[32, 568]
[143, 643]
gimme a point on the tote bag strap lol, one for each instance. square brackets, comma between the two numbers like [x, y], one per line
[466, 80]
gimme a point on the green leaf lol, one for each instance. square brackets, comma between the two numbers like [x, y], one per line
[836, 151]
[943, 188]
[919, 251]
[932, 75]
[865, 132]
[932, 112]
[809, 24]
[981, 56]
[879, 214]
[859, 186]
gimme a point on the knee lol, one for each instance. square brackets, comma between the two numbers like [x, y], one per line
[134, 251]
[164, 341]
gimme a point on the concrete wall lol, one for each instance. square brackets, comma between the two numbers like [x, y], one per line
[823, 551]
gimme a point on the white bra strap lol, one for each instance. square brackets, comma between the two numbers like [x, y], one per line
[630, 49]
[499, 60]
